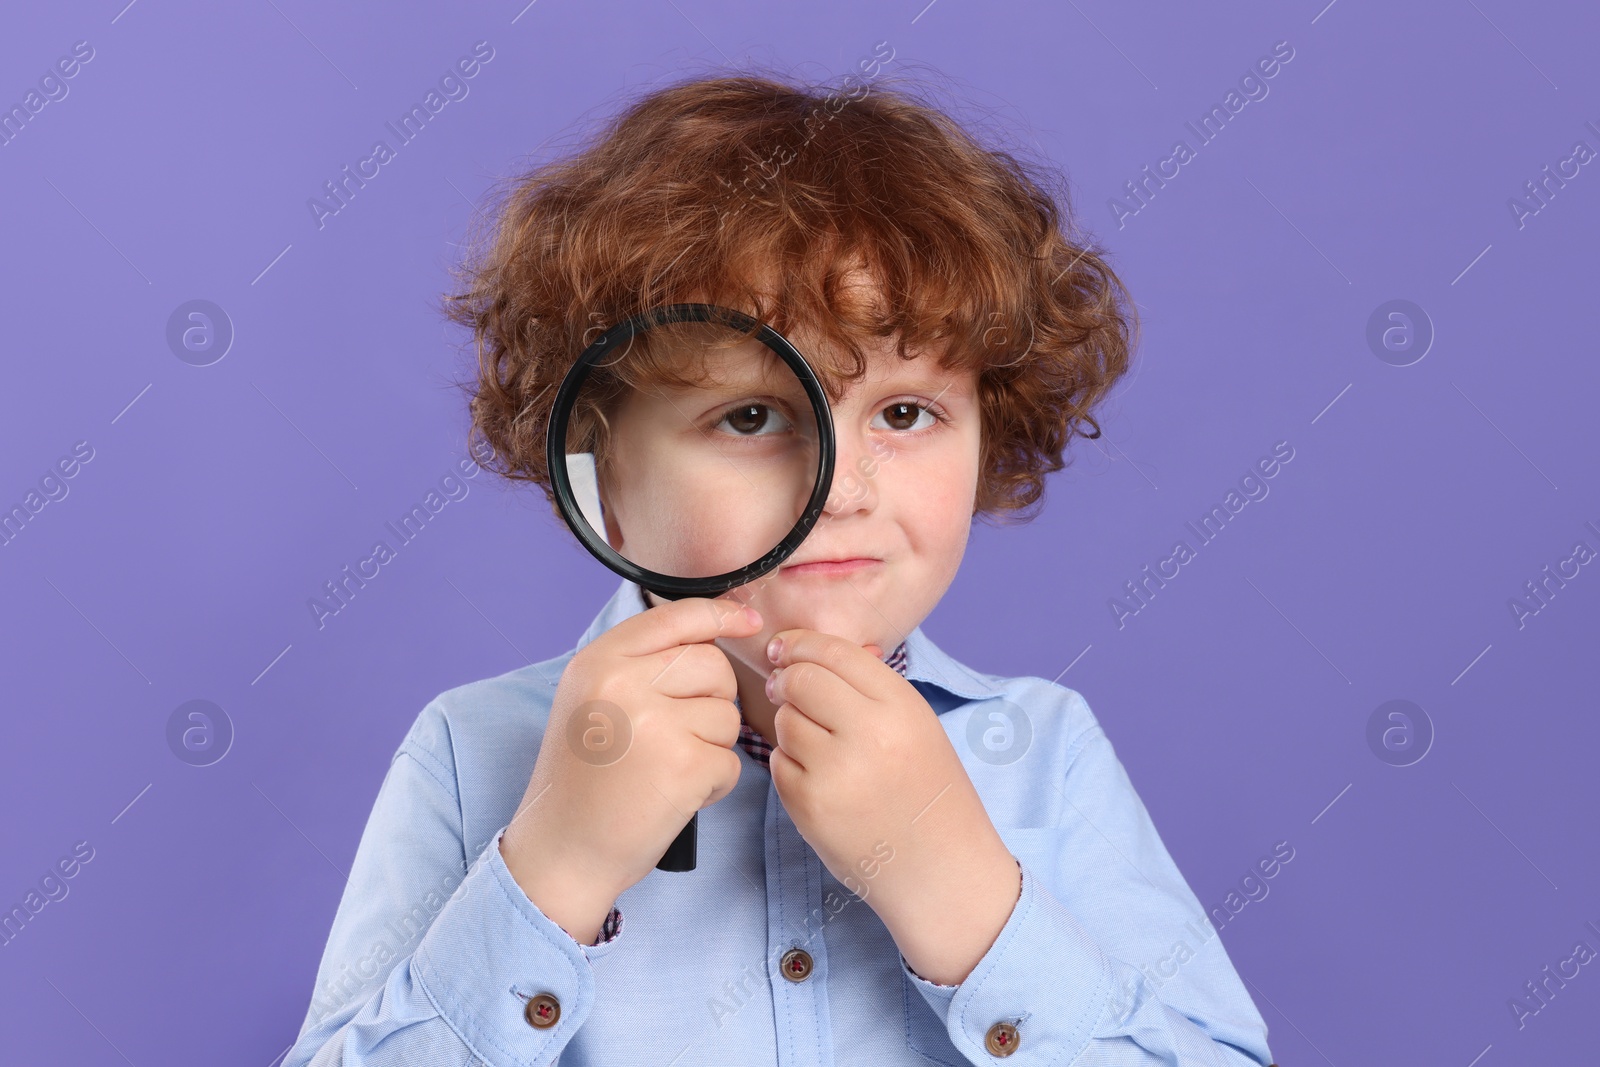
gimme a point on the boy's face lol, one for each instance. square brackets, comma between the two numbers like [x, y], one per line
[901, 502]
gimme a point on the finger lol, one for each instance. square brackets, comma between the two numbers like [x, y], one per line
[712, 719]
[855, 665]
[691, 620]
[729, 781]
[691, 671]
[800, 737]
[823, 696]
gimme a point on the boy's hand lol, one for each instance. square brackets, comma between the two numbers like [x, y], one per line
[861, 762]
[640, 736]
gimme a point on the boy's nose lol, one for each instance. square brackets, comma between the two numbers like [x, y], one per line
[855, 477]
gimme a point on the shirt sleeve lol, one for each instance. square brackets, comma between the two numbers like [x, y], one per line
[1121, 967]
[434, 960]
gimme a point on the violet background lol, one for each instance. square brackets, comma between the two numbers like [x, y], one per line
[1420, 498]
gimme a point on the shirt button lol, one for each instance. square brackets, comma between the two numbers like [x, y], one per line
[1001, 1040]
[796, 965]
[542, 1011]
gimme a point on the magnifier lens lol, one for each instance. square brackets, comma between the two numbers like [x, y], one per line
[692, 449]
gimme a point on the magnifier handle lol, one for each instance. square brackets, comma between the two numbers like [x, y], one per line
[680, 854]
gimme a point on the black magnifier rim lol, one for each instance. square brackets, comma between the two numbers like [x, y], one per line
[668, 586]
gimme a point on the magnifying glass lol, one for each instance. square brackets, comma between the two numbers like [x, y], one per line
[690, 450]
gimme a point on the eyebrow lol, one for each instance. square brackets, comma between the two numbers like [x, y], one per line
[940, 383]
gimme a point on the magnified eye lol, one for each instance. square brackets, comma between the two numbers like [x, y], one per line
[905, 415]
[753, 420]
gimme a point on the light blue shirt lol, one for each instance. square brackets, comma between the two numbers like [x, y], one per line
[435, 951]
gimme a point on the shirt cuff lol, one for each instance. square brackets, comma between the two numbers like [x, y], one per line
[490, 950]
[1040, 940]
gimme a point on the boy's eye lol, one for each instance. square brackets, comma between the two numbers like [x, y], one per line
[905, 415]
[753, 420]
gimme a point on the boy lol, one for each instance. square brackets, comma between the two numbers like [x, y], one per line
[901, 860]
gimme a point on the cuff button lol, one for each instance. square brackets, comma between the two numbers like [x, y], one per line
[542, 1012]
[1002, 1039]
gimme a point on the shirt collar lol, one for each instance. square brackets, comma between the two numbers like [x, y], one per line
[925, 661]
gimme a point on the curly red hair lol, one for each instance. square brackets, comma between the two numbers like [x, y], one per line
[765, 195]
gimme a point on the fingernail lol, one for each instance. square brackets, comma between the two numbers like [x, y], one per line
[752, 616]
[774, 648]
[770, 679]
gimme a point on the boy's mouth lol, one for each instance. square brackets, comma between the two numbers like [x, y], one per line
[829, 568]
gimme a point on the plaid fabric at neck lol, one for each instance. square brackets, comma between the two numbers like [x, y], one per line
[759, 748]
